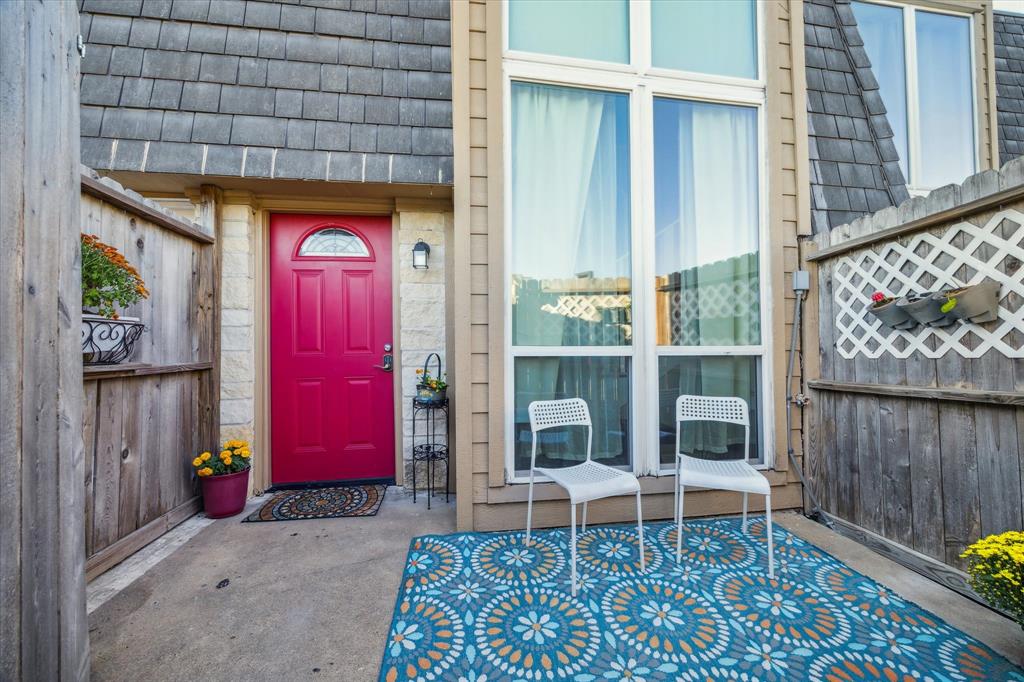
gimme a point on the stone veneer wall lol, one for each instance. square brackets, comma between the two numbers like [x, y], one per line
[238, 296]
[422, 313]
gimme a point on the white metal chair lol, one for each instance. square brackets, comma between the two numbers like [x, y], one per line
[734, 474]
[584, 482]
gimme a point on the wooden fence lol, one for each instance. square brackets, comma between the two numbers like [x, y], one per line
[917, 436]
[145, 420]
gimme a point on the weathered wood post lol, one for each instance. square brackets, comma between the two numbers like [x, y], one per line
[43, 628]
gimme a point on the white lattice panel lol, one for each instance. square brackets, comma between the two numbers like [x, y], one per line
[963, 254]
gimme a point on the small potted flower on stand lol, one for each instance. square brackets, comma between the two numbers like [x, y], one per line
[224, 478]
[431, 390]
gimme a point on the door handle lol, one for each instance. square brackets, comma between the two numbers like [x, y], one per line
[389, 361]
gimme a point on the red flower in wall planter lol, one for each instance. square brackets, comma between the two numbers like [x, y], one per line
[224, 479]
[885, 308]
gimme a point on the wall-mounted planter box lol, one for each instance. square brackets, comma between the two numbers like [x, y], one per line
[926, 309]
[976, 303]
[892, 315]
[109, 342]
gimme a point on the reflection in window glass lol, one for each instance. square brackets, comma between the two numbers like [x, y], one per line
[706, 36]
[707, 289]
[571, 253]
[721, 376]
[585, 29]
[881, 29]
[602, 381]
[333, 242]
[946, 102]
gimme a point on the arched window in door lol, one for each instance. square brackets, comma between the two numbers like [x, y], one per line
[333, 242]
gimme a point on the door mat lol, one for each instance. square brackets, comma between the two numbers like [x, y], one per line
[321, 503]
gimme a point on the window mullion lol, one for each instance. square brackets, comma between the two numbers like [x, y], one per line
[640, 35]
[913, 102]
[644, 301]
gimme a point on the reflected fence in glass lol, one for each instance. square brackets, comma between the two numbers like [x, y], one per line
[578, 311]
[571, 256]
[715, 304]
[718, 376]
[604, 382]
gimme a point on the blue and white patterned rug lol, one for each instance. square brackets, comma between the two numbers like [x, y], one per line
[483, 607]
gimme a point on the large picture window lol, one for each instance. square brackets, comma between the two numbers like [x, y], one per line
[923, 62]
[639, 165]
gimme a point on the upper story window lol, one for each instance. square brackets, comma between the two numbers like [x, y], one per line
[634, 224]
[923, 61]
[712, 37]
[584, 29]
[705, 36]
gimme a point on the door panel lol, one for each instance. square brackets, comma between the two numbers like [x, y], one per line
[332, 404]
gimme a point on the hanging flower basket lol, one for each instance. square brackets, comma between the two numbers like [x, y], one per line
[976, 303]
[431, 390]
[109, 282]
[885, 308]
[109, 342]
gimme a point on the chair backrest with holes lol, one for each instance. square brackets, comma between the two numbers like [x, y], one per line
[700, 408]
[549, 414]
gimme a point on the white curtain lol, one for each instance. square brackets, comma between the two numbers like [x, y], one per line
[718, 254]
[554, 139]
[569, 155]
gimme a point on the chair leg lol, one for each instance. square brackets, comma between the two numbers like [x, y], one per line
[744, 513]
[675, 496]
[771, 548]
[679, 525]
[572, 544]
[583, 526]
[529, 510]
[640, 531]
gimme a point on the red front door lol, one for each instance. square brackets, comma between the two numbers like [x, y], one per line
[332, 400]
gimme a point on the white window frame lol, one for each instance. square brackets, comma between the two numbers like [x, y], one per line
[913, 96]
[642, 82]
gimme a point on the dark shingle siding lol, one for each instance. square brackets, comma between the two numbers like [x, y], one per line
[854, 167]
[1009, 51]
[337, 89]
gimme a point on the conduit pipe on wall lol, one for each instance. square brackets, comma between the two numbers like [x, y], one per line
[801, 284]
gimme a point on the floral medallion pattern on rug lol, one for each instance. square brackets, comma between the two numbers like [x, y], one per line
[487, 607]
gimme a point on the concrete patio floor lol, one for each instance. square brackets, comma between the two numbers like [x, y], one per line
[311, 600]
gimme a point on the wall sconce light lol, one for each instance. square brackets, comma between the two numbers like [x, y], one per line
[420, 253]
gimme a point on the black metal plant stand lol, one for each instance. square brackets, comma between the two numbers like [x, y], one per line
[428, 445]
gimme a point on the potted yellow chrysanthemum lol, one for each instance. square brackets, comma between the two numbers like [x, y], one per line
[224, 478]
[996, 571]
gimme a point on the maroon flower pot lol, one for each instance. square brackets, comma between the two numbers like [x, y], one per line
[224, 495]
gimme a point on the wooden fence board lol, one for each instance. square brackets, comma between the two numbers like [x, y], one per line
[133, 414]
[107, 474]
[43, 630]
[999, 474]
